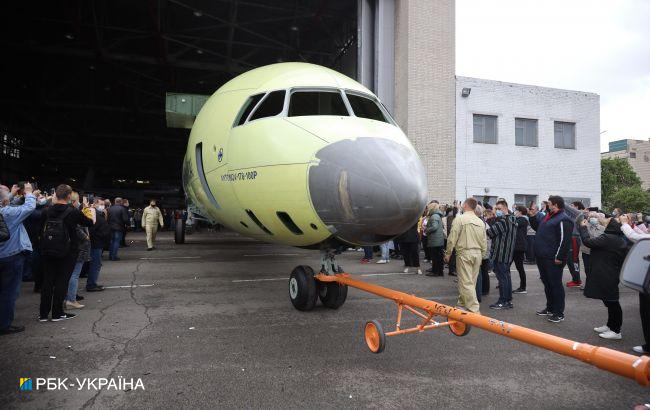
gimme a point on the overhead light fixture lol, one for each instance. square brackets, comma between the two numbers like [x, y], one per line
[69, 36]
[465, 92]
[201, 82]
[294, 28]
[199, 51]
[91, 67]
[183, 100]
[197, 13]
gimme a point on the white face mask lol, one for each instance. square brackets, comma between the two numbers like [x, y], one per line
[593, 221]
[100, 208]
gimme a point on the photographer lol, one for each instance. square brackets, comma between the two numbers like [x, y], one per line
[12, 255]
[60, 249]
[644, 299]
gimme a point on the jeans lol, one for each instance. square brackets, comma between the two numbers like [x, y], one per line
[530, 248]
[367, 252]
[519, 264]
[502, 271]
[11, 275]
[614, 315]
[385, 251]
[573, 259]
[587, 262]
[437, 260]
[56, 276]
[94, 268]
[551, 275]
[73, 283]
[28, 275]
[116, 239]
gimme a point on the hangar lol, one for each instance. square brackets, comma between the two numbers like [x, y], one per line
[84, 93]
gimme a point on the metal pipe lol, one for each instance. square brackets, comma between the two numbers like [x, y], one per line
[623, 364]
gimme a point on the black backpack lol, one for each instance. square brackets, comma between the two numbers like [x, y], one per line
[4, 230]
[55, 241]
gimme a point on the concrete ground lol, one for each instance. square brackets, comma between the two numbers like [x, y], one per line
[217, 330]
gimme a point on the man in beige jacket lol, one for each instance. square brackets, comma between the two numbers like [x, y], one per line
[151, 217]
[468, 237]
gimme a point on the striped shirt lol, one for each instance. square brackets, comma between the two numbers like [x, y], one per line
[503, 234]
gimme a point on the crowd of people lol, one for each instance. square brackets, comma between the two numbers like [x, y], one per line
[475, 240]
[54, 238]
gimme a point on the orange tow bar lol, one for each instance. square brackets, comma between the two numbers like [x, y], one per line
[460, 321]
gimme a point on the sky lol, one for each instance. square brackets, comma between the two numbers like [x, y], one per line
[599, 46]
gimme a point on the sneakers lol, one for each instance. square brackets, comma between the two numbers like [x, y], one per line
[364, 260]
[149, 249]
[611, 335]
[96, 288]
[452, 274]
[12, 329]
[555, 318]
[419, 271]
[639, 349]
[79, 298]
[501, 306]
[574, 284]
[601, 329]
[73, 305]
[406, 270]
[544, 312]
[43, 319]
[64, 316]
[520, 290]
[382, 261]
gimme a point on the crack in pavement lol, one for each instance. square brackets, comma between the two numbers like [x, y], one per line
[125, 344]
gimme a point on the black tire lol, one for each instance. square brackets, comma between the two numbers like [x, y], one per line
[179, 231]
[303, 291]
[460, 329]
[332, 294]
[375, 336]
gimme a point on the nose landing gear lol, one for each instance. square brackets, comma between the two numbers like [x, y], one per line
[305, 290]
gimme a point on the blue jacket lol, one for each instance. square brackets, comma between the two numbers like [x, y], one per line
[14, 217]
[553, 236]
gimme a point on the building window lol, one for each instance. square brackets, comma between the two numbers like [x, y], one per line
[525, 132]
[10, 146]
[565, 135]
[485, 129]
[569, 200]
[632, 154]
[525, 199]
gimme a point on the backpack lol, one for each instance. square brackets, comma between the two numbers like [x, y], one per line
[55, 241]
[4, 230]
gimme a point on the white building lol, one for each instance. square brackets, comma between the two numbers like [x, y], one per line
[524, 143]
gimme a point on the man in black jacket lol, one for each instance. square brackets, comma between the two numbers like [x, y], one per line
[552, 241]
[57, 269]
[118, 218]
[100, 236]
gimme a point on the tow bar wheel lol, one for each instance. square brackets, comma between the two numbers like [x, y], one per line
[375, 337]
[459, 328]
[302, 288]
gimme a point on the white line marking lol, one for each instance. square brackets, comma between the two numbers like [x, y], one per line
[171, 257]
[273, 254]
[258, 280]
[387, 274]
[128, 286]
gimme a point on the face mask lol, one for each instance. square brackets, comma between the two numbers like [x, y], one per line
[100, 208]
[593, 221]
[615, 213]
[42, 202]
[499, 213]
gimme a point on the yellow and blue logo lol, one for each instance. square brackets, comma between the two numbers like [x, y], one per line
[25, 384]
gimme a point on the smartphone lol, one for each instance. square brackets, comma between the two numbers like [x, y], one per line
[593, 209]
[52, 191]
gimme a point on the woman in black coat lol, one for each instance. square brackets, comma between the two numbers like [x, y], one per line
[608, 252]
[409, 246]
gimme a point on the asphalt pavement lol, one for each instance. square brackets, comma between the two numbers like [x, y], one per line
[209, 324]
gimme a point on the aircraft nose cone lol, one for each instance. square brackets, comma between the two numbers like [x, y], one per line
[368, 190]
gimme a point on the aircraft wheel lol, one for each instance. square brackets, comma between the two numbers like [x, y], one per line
[303, 290]
[375, 336]
[459, 328]
[332, 294]
[179, 231]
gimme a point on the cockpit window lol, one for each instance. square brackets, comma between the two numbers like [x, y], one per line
[248, 106]
[271, 106]
[316, 103]
[366, 108]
